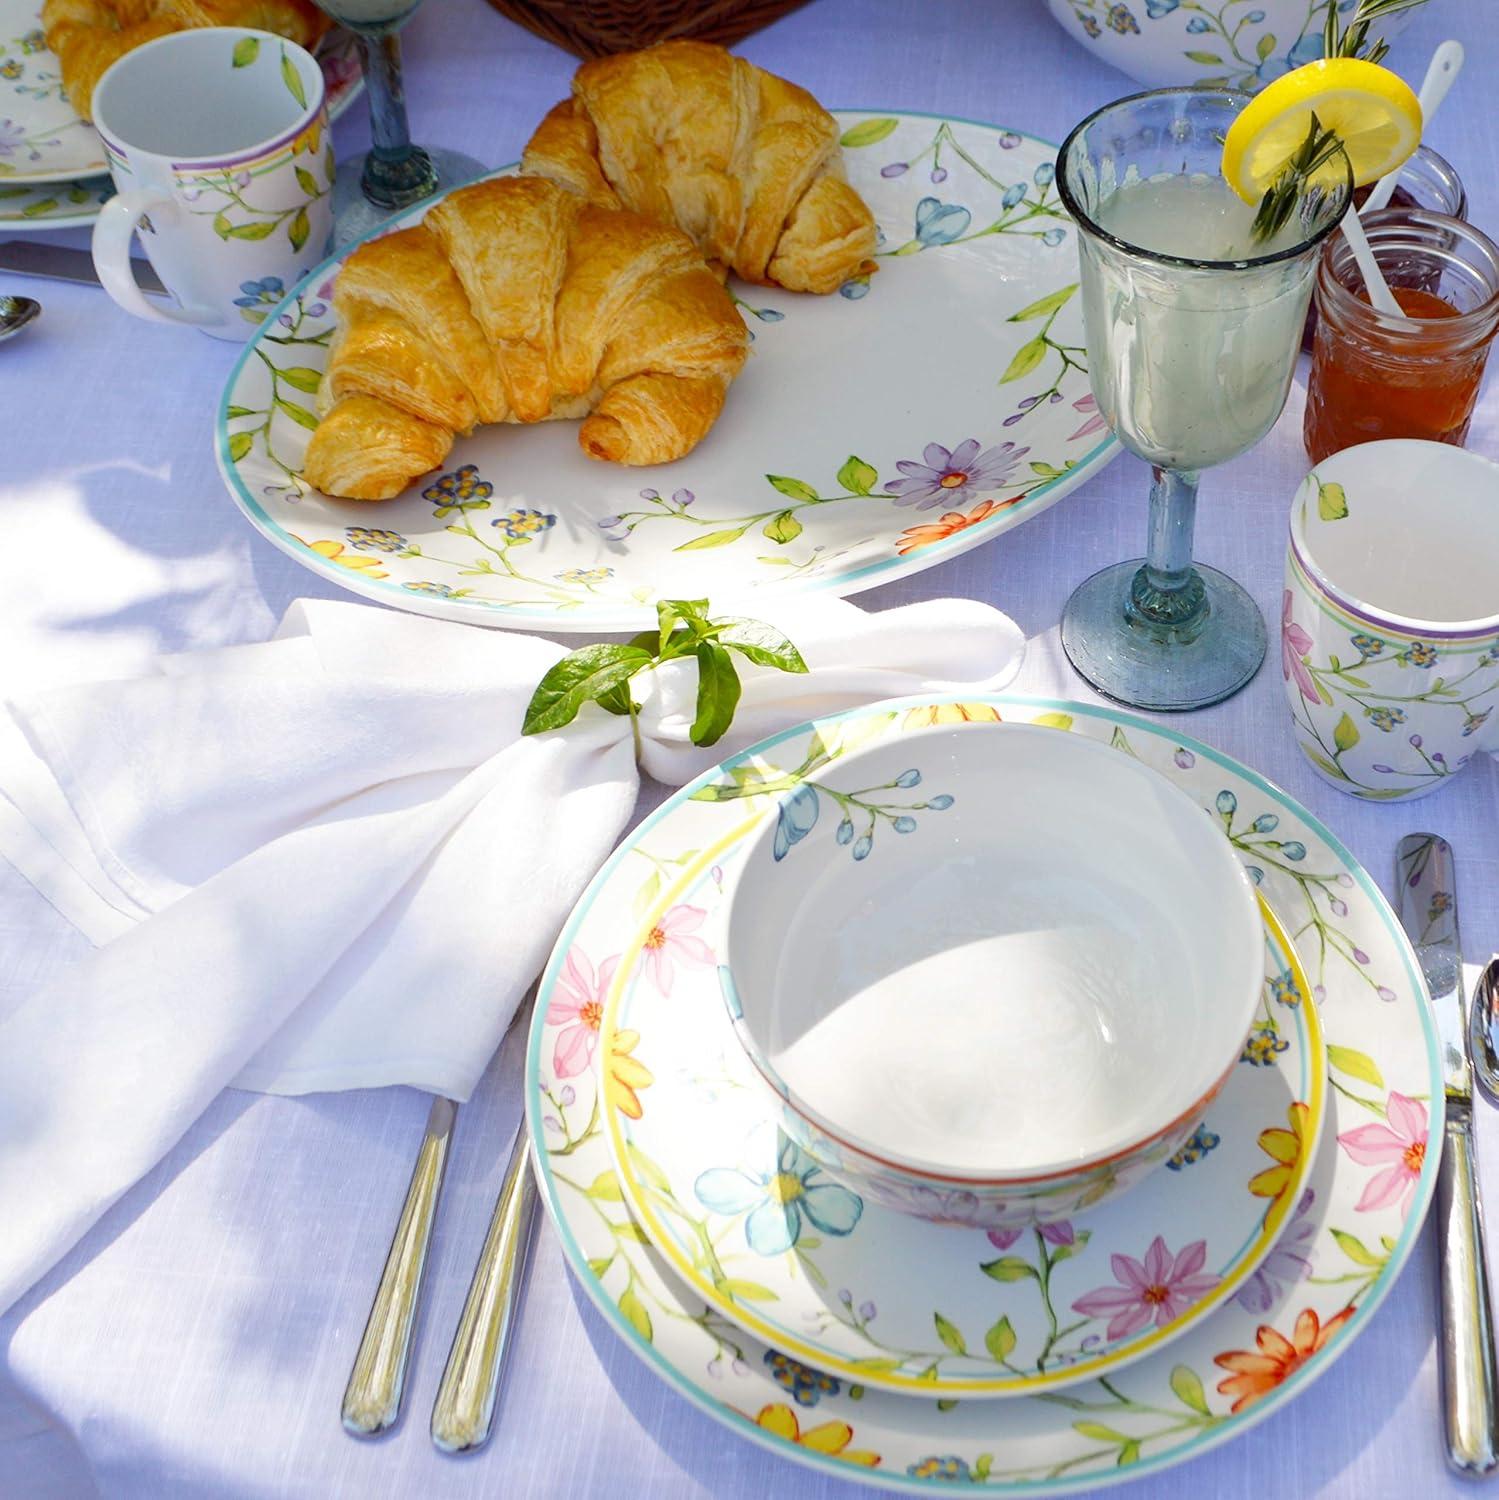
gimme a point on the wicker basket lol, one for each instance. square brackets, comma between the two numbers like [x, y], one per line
[596, 28]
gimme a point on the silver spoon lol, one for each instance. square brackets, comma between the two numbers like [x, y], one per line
[15, 314]
[1483, 1031]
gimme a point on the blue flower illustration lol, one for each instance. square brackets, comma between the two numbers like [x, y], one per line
[807, 1386]
[371, 539]
[1367, 645]
[1155, 9]
[939, 223]
[775, 1203]
[523, 524]
[1197, 1145]
[441, 590]
[260, 293]
[1197, 26]
[940, 1466]
[1283, 988]
[1122, 20]
[1261, 1047]
[462, 489]
[1385, 718]
[796, 817]
[1419, 655]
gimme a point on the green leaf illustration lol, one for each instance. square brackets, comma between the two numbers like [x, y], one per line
[713, 539]
[221, 226]
[299, 228]
[1204, 57]
[1355, 1064]
[783, 528]
[1000, 1340]
[299, 414]
[1129, 1453]
[1188, 1387]
[796, 489]
[36, 210]
[304, 377]
[981, 1466]
[760, 643]
[306, 181]
[1008, 1268]
[1053, 721]
[260, 231]
[858, 477]
[635, 1314]
[1353, 1248]
[1266, 45]
[231, 412]
[579, 676]
[1332, 503]
[605, 1187]
[240, 444]
[947, 1331]
[598, 1264]
[648, 1169]
[878, 1364]
[868, 132]
[1119, 740]
[630, 1230]
[1323, 764]
[246, 50]
[330, 165]
[292, 79]
[1345, 733]
[1026, 358]
[749, 1291]
[1098, 1432]
[1043, 307]
[717, 693]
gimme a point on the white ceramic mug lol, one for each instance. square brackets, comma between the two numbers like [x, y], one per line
[218, 142]
[1390, 617]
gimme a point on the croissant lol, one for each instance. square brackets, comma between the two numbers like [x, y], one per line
[516, 301]
[746, 164]
[88, 35]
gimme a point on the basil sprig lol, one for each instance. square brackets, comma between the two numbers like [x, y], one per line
[602, 673]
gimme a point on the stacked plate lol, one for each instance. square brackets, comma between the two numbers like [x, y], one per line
[53, 174]
[805, 1273]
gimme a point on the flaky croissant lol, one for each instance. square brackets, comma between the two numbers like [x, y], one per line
[516, 301]
[745, 163]
[88, 35]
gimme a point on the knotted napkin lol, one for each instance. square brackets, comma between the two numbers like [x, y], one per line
[331, 861]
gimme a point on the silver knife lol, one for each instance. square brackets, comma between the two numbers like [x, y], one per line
[60, 263]
[1427, 894]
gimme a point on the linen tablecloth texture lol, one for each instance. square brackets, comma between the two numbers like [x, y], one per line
[196, 1342]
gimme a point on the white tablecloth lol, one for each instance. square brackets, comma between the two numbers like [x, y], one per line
[198, 1341]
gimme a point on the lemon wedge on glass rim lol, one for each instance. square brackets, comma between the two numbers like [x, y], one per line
[1373, 111]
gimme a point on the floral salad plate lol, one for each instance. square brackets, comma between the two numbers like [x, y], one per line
[763, 1234]
[939, 398]
[44, 141]
[1348, 1234]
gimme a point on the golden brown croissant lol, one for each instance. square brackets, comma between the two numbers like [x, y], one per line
[516, 301]
[745, 163]
[88, 35]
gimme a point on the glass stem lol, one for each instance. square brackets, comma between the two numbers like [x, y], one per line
[1168, 591]
[396, 173]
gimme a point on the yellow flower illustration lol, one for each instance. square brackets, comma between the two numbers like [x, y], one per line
[625, 1074]
[1285, 1148]
[929, 714]
[355, 562]
[831, 1438]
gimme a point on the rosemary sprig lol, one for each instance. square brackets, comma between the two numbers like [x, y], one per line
[1282, 196]
[1354, 39]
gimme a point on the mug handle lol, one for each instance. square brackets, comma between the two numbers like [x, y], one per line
[113, 231]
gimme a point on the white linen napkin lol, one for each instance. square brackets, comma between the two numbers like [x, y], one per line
[330, 861]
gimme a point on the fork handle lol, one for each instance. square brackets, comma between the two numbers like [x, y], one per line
[372, 1399]
[464, 1410]
[1468, 1376]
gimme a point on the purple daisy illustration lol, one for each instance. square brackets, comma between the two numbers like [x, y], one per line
[950, 478]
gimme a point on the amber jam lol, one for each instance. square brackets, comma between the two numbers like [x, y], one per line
[1377, 376]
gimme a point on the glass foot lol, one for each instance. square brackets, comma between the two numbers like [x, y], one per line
[354, 216]
[1162, 668]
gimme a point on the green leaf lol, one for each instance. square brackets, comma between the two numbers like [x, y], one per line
[858, 477]
[713, 539]
[1000, 1340]
[946, 1403]
[1008, 1268]
[600, 1263]
[1120, 741]
[1098, 1432]
[605, 1187]
[1026, 358]
[1043, 307]
[1053, 721]
[1355, 1065]
[1353, 1248]
[760, 643]
[1266, 45]
[299, 414]
[37, 209]
[240, 444]
[717, 694]
[292, 79]
[306, 181]
[1129, 1453]
[230, 413]
[783, 528]
[747, 1291]
[1204, 57]
[1187, 1385]
[1322, 763]
[796, 489]
[1345, 733]
[1332, 503]
[868, 132]
[648, 1169]
[221, 226]
[579, 676]
[645, 897]
[981, 1466]
[246, 50]
[299, 228]
[947, 1331]
[634, 1313]
[630, 1230]
[878, 1365]
[1046, 471]
[304, 377]
[260, 231]
[330, 165]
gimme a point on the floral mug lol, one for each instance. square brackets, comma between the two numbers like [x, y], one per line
[217, 139]
[1390, 616]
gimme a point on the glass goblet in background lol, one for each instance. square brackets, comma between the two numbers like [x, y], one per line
[394, 173]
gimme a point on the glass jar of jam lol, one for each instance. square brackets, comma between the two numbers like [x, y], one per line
[1377, 376]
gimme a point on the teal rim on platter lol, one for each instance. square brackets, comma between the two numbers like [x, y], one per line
[521, 529]
[1348, 1239]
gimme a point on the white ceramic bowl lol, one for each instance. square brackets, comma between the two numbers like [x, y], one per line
[1004, 961]
[1242, 44]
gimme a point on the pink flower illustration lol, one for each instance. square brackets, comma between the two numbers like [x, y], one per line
[1096, 421]
[1059, 1233]
[1294, 644]
[1162, 1288]
[577, 1006]
[670, 938]
[1398, 1145]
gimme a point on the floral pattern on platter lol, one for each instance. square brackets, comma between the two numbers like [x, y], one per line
[876, 489]
[765, 1222]
[1169, 1406]
[53, 205]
